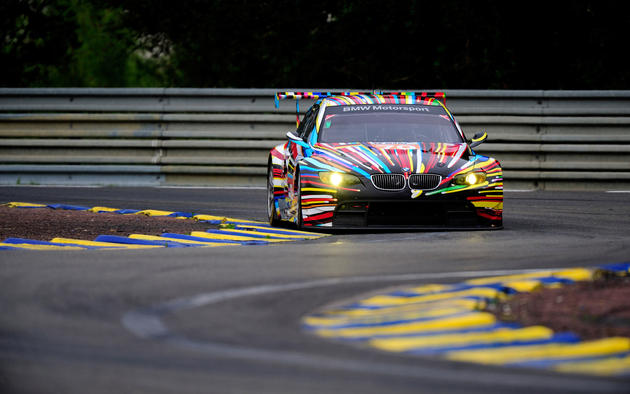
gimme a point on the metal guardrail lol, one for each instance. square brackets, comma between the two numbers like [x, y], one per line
[544, 139]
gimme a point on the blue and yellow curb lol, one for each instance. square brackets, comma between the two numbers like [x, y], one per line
[232, 231]
[449, 321]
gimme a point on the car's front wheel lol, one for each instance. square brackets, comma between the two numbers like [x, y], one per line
[272, 213]
[298, 186]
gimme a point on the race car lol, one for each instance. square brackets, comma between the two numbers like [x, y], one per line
[381, 160]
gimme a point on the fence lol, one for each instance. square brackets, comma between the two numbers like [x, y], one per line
[544, 139]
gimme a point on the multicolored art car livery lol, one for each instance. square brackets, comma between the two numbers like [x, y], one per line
[390, 160]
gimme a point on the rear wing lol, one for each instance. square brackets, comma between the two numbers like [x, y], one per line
[317, 95]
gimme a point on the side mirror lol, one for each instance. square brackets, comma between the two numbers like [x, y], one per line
[294, 138]
[478, 139]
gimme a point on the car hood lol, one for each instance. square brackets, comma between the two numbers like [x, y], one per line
[375, 158]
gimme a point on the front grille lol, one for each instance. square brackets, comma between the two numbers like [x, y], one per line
[421, 213]
[388, 181]
[424, 181]
[394, 182]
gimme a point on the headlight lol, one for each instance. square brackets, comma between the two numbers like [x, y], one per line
[338, 178]
[470, 178]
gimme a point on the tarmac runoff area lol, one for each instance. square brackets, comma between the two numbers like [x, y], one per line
[174, 319]
[449, 321]
[231, 232]
[446, 321]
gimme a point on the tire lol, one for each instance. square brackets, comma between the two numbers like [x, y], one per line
[300, 222]
[272, 214]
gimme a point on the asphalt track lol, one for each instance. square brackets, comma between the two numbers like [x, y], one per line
[227, 320]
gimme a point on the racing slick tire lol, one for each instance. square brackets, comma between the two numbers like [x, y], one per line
[272, 213]
[300, 221]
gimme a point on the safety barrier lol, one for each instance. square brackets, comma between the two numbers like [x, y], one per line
[544, 139]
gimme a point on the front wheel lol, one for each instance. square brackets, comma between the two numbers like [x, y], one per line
[300, 222]
[272, 213]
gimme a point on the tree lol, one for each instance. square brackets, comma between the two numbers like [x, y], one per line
[325, 44]
[73, 43]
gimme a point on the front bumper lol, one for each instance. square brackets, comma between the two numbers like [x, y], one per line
[451, 213]
[370, 208]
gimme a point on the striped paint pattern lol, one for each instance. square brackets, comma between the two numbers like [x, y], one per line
[232, 232]
[364, 159]
[449, 321]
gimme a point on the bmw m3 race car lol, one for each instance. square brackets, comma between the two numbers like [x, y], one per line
[381, 160]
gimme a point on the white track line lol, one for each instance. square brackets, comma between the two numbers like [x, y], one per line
[132, 323]
[148, 324]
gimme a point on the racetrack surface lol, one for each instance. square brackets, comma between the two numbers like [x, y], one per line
[227, 320]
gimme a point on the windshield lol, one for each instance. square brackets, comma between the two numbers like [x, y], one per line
[387, 123]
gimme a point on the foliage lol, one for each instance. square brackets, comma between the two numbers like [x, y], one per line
[364, 44]
[37, 38]
[71, 43]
